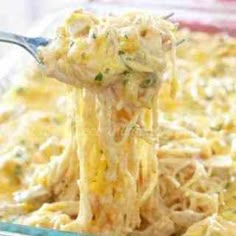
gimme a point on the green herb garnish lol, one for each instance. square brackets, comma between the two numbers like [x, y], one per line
[57, 120]
[72, 43]
[227, 185]
[94, 36]
[17, 170]
[121, 52]
[147, 83]
[20, 90]
[107, 70]
[125, 81]
[99, 77]
[216, 127]
[19, 154]
[22, 142]
[83, 55]
[36, 145]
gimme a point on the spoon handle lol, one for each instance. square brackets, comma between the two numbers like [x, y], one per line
[29, 44]
[13, 38]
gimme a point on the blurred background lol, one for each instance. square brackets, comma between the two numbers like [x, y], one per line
[19, 15]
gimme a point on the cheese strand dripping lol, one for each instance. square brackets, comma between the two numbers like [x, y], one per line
[116, 65]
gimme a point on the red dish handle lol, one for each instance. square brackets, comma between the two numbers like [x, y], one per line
[228, 27]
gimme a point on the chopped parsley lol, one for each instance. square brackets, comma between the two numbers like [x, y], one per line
[17, 170]
[107, 70]
[20, 90]
[99, 77]
[147, 83]
[121, 52]
[125, 81]
[36, 145]
[94, 36]
[83, 55]
[22, 142]
[72, 43]
[209, 98]
[126, 72]
[227, 185]
[216, 127]
[57, 120]
[19, 154]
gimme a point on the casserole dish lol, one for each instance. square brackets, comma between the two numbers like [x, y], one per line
[10, 74]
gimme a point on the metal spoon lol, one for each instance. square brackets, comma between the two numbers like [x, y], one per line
[29, 44]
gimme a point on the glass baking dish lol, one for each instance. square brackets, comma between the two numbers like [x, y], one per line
[207, 20]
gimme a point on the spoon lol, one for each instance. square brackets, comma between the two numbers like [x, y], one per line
[29, 44]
